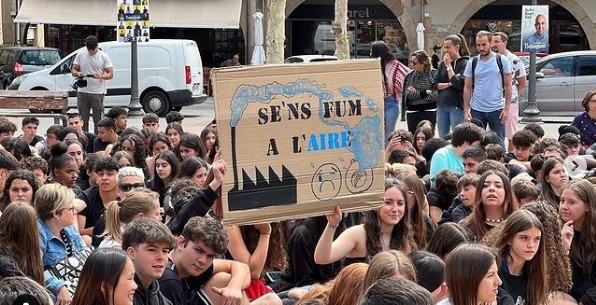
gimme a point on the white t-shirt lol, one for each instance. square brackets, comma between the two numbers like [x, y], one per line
[93, 64]
[518, 70]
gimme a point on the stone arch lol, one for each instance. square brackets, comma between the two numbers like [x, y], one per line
[396, 7]
[570, 5]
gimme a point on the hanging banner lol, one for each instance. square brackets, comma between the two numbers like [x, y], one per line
[534, 28]
[133, 20]
[300, 139]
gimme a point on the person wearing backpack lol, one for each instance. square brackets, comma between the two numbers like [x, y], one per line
[488, 80]
[394, 73]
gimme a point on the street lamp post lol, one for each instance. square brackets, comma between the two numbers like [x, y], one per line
[531, 113]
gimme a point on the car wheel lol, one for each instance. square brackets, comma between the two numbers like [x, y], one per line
[176, 108]
[40, 110]
[156, 102]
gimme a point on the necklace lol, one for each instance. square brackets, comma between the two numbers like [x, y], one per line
[496, 220]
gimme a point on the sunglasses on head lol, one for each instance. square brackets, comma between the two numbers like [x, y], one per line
[126, 187]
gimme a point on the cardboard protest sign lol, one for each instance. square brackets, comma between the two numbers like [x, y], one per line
[300, 139]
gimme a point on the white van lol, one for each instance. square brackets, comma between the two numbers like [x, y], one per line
[170, 75]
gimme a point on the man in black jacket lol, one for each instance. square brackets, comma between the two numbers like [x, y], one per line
[148, 243]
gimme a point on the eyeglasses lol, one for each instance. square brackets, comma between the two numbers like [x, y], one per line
[126, 187]
[72, 209]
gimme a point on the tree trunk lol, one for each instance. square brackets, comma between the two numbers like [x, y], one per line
[276, 32]
[340, 29]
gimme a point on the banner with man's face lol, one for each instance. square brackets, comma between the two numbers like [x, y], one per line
[534, 28]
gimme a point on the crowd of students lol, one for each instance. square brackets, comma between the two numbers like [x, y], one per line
[132, 216]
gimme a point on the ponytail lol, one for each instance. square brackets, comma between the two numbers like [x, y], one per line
[113, 229]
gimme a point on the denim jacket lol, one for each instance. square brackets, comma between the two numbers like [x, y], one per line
[54, 251]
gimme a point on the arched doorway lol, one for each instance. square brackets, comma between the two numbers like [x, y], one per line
[309, 23]
[569, 26]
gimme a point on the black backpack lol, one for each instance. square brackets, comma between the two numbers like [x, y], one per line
[499, 64]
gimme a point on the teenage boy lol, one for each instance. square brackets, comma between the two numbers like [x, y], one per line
[523, 141]
[194, 277]
[151, 121]
[120, 116]
[75, 121]
[147, 243]
[97, 198]
[106, 135]
[7, 128]
[472, 157]
[449, 157]
[29, 127]
[463, 203]
[8, 163]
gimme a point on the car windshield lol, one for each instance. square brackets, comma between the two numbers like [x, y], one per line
[39, 57]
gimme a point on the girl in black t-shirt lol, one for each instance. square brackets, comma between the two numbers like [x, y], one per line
[522, 264]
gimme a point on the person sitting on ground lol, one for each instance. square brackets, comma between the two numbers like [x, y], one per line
[524, 190]
[217, 280]
[397, 292]
[7, 128]
[495, 152]
[472, 157]
[8, 163]
[38, 166]
[141, 203]
[106, 136]
[97, 198]
[571, 144]
[449, 157]
[146, 240]
[174, 117]
[119, 115]
[151, 121]
[29, 128]
[464, 202]
[522, 140]
[442, 194]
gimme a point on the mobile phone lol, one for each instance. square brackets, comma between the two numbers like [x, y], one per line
[273, 276]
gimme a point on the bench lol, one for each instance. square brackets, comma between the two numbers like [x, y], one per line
[35, 101]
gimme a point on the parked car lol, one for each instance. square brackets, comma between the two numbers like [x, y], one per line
[562, 81]
[170, 75]
[309, 58]
[525, 57]
[16, 61]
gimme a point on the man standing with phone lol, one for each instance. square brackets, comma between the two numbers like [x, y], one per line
[92, 61]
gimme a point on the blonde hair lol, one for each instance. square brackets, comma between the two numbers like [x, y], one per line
[124, 211]
[52, 198]
[395, 169]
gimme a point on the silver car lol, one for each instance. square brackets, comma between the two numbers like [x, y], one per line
[562, 81]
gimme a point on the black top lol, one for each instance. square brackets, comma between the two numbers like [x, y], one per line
[183, 291]
[302, 269]
[149, 296]
[584, 281]
[99, 145]
[516, 286]
[199, 205]
[454, 95]
[94, 207]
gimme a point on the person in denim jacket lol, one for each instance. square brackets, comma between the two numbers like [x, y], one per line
[59, 238]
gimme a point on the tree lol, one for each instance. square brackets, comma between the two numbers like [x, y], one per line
[276, 31]
[340, 29]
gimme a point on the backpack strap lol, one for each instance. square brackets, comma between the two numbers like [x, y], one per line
[499, 65]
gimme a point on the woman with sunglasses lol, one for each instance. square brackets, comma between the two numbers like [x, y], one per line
[418, 96]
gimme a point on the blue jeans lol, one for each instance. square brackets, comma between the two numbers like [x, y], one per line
[448, 117]
[492, 120]
[391, 115]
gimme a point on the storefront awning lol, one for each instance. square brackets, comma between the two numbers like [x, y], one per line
[215, 14]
